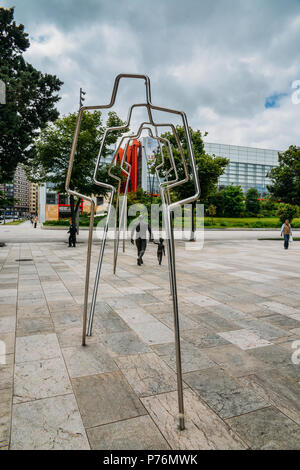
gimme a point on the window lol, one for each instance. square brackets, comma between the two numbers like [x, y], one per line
[51, 198]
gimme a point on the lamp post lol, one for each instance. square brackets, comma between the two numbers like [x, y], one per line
[81, 97]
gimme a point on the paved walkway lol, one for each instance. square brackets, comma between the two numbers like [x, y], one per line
[240, 315]
[25, 233]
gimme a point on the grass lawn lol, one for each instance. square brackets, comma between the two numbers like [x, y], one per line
[231, 222]
[83, 222]
[297, 239]
[15, 222]
[218, 222]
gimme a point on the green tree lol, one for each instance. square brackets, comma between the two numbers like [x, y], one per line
[6, 202]
[30, 97]
[217, 200]
[268, 205]
[286, 177]
[212, 210]
[233, 201]
[252, 201]
[210, 168]
[52, 154]
[287, 211]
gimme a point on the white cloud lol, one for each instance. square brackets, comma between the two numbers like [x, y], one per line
[218, 61]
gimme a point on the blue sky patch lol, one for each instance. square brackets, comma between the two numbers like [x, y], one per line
[273, 100]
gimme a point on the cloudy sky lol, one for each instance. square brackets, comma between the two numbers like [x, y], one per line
[229, 64]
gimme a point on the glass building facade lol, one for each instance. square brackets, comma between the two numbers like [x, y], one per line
[150, 147]
[248, 166]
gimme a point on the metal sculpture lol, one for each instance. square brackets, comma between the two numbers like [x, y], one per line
[168, 207]
[127, 172]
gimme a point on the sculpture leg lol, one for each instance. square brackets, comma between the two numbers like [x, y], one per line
[87, 275]
[172, 267]
[98, 272]
[125, 223]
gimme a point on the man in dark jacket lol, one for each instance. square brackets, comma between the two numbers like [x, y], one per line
[141, 229]
[72, 231]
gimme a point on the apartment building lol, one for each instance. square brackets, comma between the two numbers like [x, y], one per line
[33, 198]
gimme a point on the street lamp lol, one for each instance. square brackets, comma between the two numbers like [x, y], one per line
[81, 97]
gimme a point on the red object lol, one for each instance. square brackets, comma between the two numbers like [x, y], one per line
[132, 158]
[68, 205]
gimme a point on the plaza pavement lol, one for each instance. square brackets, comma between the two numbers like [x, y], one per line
[239, 307]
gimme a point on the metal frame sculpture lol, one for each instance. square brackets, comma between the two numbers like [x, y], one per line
[127, 172]
[168, 207]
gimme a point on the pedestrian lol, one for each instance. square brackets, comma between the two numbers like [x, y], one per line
[35, 221]
[160, 250]
[286, 231]
[31, 220]
[141, 229]
[72, 237]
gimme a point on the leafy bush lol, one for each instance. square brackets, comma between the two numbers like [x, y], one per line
[287, 211]
[252, 202]
[268, 206]
[233, 201]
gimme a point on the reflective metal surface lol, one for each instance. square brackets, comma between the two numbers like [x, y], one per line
[168, 206]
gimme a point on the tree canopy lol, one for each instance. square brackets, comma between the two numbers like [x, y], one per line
[50, 161]
[210, 168]
[30, 97]
[252, 201]
[286, 177]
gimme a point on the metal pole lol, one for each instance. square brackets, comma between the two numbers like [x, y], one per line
[171, 246]
[98, 272]
[125, 223]
[87, 274]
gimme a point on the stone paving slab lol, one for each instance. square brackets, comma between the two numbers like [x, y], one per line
[86, 360]
[204, 430]
[106, 398]
[278, 389]
[52, 423]
[244, 339]
[267, 429]
[5, 416]
[132, 434]
[40, 379]
[147, 374]
[123, 344]
[225, 395]
[192, 358]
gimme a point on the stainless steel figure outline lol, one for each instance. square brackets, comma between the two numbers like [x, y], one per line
[127, 171]
[87, 198]
[168, 210]
[110, 187]
[164, 142]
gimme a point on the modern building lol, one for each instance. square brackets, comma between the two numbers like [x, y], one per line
[140, 154]
[248, 166]
[33, 198]
[18, 191]
[21, 192]
[150, 148]
[55, 206]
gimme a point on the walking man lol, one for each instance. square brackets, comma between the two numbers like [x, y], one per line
[286, 231]
[72, 231]
[141, 229]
